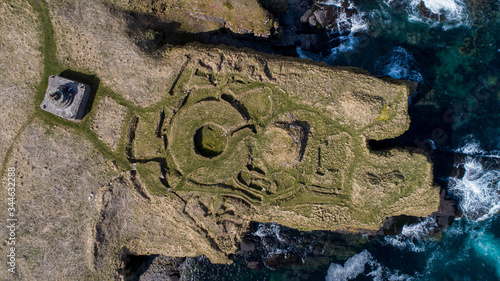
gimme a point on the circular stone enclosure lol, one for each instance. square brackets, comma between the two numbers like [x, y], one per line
[210, 140]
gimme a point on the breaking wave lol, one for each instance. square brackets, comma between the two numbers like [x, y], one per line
[269, 229]
[399, 64]
[472, 147]
[413, 237]
[354, 21]
[272, 238]
[362, 264]
[478, 190]
[276, 240]
[449, 13]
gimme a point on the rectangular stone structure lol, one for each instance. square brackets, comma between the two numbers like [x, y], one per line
[66, 98]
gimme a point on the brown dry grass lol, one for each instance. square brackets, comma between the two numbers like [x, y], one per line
[90, 36]
[351, 96]
[56, 172]
[173, 228]
[93, 36]
[280, 149]
[20, 67]
[108, 121]
[57, 234]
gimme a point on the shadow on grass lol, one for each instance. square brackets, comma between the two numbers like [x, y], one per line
[152, 34]
[91, 80]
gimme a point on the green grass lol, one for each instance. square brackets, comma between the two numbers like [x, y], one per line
[150, 173]
[52, 66]
[147, 144]
[260, 101]
[385, 114]
[263, 104]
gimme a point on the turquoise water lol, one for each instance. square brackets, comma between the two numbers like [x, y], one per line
[456, 108]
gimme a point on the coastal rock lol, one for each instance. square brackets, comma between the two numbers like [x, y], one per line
[428, 13]
[448, 209]
[306, 16]
[320, 16]
[336, 16]
[276, 7]
[312, 20]
[281, 260]
[155, 267]
[254, 265]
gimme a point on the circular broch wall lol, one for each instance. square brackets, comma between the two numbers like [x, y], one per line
[202, 143]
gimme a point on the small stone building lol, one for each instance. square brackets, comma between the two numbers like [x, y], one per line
[66, 98]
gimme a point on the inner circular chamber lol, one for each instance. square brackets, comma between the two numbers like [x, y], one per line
[210, 140]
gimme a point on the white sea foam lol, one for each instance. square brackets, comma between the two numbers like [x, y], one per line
[452, 9]
[269, 230]
[414, 236]
[399, 64]
[358, 265]
[274, 241]
[472, 147]
[351, 269]
[349, 40]
[449, 13]
[356, 23]
[478, 190]
[339, 3]
[348, 44]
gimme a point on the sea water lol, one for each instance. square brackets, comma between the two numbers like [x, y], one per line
[452, 50]
[467, 250]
